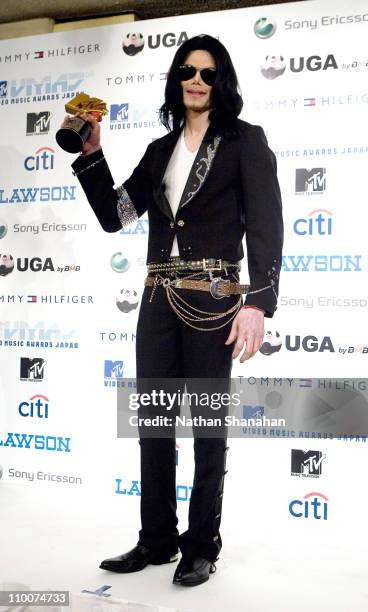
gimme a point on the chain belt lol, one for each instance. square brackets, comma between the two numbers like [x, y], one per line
[218, 287]
[206, 265]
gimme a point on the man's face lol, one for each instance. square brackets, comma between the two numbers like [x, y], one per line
[196, 93]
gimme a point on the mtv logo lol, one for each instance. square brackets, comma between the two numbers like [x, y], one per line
[306, 463]
[113, 369]
[119, 112]
[253, 412]
[310, 181]
[32, 369]
[38, 123]
[3, 89]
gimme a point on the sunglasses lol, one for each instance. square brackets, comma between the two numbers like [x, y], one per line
[186, 72]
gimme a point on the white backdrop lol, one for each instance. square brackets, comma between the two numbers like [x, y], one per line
[314, 114]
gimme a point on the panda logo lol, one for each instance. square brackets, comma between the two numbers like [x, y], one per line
[271, 343]
[133, 43]
[127, 300]
[273, 66]
[6, 264]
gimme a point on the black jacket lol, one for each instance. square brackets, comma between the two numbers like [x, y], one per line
[232, 189]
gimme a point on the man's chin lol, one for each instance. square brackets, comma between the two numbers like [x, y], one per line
[197, 108]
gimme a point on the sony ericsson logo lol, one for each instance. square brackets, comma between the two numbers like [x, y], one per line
[119, 263]
[265, 27]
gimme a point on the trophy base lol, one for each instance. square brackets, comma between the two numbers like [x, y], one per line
[72, 137]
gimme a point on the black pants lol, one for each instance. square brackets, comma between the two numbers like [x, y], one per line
[166, 347]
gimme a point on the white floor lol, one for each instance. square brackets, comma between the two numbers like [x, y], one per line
[56, 539]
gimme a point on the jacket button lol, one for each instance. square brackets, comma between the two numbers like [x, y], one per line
[181, 222]
[172, 224]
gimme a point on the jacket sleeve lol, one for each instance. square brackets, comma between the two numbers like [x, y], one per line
[263, 219]
[114, 207]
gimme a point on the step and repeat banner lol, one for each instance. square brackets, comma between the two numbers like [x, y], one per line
[70, 293]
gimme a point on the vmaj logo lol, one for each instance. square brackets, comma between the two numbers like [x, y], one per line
[36, 407]
[310, 506]
[40, 335]
[308, 182]
[321, 263]
[43, 159]
[307, 464]
[319, 222]
[28, 86]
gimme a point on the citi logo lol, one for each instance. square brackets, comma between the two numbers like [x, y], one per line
[318, 222]
[312, 506]
[43, 159]
[37, 407]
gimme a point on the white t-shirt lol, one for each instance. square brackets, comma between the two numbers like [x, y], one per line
[176, 176]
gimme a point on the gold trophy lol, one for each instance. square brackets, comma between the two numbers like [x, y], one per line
[72, 137]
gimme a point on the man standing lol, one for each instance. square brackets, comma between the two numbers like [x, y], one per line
[205, 184]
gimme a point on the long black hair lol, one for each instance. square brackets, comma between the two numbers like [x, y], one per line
[226, 99]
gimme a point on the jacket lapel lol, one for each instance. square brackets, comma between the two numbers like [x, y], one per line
[200, 169]
[197, 175]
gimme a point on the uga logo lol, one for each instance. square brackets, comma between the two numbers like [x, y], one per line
[35, 264]
[311, 344]
[166, 40]
[313, 63]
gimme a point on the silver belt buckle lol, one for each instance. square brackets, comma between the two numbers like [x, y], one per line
[211, 265]
[214, 288]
